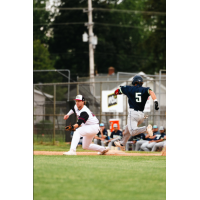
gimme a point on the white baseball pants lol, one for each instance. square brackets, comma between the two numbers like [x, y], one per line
[87, 132]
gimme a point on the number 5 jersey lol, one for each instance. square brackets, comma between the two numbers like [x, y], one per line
[137, 96]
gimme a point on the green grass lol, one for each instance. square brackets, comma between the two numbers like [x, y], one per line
[60, 147]
[99, 178]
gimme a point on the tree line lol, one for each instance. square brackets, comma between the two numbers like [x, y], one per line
[128, 40]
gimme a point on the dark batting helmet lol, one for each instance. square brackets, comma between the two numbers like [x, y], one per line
[137, 80]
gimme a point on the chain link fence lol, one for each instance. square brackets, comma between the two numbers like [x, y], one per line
[53, 100]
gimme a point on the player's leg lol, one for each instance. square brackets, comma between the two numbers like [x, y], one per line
[110, 144]
[127, 145]
[139, 144]
[144, 146]
[103, 142]
[75, 140]
[157, 145]
[126, 136]
[150, 145]
[133, 118]
[133, 147]
[87, 140]
[95, 141]
[88, 133]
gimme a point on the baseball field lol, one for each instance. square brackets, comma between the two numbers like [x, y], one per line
[109, 177]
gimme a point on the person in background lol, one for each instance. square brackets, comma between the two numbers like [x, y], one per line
[147, 146]
[102, 136]
[162, 141]
[115, 135]
[133, 140]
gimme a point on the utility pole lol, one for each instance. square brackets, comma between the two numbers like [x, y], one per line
[92, 39]
[91, 50]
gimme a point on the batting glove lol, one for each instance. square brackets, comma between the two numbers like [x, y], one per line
[156, 105]
[117, 92]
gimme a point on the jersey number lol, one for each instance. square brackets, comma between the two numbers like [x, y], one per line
[138, 97]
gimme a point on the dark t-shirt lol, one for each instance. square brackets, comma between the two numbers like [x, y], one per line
[137, 96]
[158, 136]
[105, 133]
[139, 137]
[114, 135]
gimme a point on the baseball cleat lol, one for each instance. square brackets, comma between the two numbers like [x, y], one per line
[70, 153]
[104, 151]
[149, 130]
[117, 144]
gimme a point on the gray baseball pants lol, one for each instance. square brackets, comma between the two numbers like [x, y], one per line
[147, 146]
[130, 143]
[159, 144]
[135, 118]
[139, 144]
[111, 143]
[102, 142]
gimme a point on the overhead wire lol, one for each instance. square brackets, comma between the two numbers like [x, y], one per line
[110, 10]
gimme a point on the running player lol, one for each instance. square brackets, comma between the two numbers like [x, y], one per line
[137, 97]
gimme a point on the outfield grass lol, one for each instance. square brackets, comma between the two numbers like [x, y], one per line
[60, 147]
[99, 178]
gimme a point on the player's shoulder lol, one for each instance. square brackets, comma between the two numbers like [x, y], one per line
[144, 88]
[85, 109]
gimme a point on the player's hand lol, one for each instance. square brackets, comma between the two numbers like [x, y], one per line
[117, 92]
[156, 105]
[66, 117]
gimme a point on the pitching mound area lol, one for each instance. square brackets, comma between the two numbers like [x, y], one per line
[110, 153]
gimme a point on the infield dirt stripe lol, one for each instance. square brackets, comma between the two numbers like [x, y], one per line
[110, 153]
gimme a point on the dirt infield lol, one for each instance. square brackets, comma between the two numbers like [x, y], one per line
[110, 153]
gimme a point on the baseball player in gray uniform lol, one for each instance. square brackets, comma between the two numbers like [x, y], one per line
[137, 98]
[161, 142]
[87, 127]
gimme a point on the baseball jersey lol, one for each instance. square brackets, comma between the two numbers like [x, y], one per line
[115, 135]
[85, 116]
[137, 96]
[105, 133]
[158, 134]
[139, 137]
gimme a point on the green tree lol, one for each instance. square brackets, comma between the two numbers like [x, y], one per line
[41, 19]
[117, 46]
[141, 46]
[154, 44]
[41, 61]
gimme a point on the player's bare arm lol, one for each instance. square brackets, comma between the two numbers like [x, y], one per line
[69, 113]
[102, 136]
[66, 117]
[96, 137]
[153, 96]
[159, 140]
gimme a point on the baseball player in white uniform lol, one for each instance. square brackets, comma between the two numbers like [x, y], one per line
[87, 127]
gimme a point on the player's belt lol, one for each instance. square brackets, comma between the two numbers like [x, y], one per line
[136, 110]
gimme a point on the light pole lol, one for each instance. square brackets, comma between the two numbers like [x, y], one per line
[92, 41]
